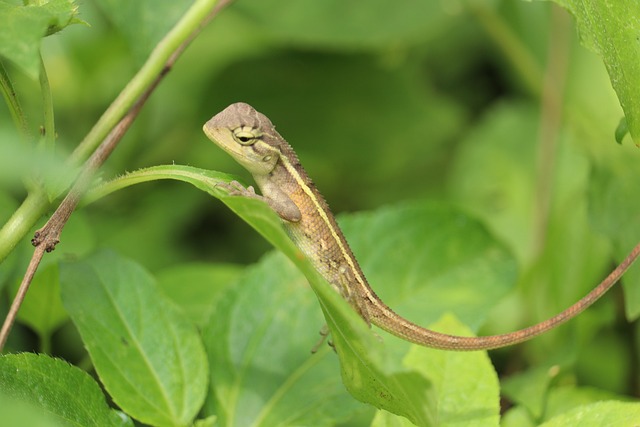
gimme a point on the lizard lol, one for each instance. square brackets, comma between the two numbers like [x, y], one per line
[252, 140]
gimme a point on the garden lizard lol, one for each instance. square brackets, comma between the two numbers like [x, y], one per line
[251, 139]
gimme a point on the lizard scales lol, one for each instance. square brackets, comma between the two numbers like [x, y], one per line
[252, 140]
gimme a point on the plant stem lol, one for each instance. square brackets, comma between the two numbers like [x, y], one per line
[160, 61]
[119, 117]
[173, 44]
[49, 130]
[22, 292]
[23, 219]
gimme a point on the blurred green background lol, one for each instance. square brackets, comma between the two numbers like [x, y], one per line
[490, 105]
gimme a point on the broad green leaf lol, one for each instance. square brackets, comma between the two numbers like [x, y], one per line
[144, 22]
[429, 246]
[500, 194]
[370, 368]
[611, 28]
[561, 255]
[614, 348]
[503, 195]
[530, 388]
[363, 360]
[23, 27]
[346, 24]
[197, 287]
[211, 421]
[556, 401]
[615, 200]
[601, 414]
[259, 342]
[149, 357]
[426, 259]
[451, 375]
[455, 374]
[517, 416]
[202, 179]
[568, 397]
[18, 413]
[59, 389]
[434, 246]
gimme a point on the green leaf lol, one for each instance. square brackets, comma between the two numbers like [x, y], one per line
[517, 416]
[144, 22]
[206, 282]
[18, 413]
[506, 197]
[451, 375]
[363, 359]
[207, 422]
[601, 414]
[622, 130]
[455, 374]
[202, 179]
[346, 24]
[149, 357]
[426, 259]
[530, 388]
[57, 388]
[614, 204]
[23, 27]
[370, 368]
[563, 399]
[259, 340]
[435, 253]
[42, 308]
[611, 29]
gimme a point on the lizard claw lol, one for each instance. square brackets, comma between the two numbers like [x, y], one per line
[234, 188]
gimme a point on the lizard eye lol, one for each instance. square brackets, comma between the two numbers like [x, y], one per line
[246, 135]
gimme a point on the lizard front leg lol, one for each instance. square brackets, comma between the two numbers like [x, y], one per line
[275, 198]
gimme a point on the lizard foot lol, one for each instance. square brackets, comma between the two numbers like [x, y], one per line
[324, 333]
[234, 188]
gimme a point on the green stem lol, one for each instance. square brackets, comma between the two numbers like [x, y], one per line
[49, 131]
[45, 343]
[195, 17]
[37, 202]
[34, 206]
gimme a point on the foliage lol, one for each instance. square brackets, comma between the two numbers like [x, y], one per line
[477, 138]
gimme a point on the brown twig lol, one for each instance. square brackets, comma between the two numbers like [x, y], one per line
[46, 238]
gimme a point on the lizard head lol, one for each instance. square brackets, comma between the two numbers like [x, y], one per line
[244, 133]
